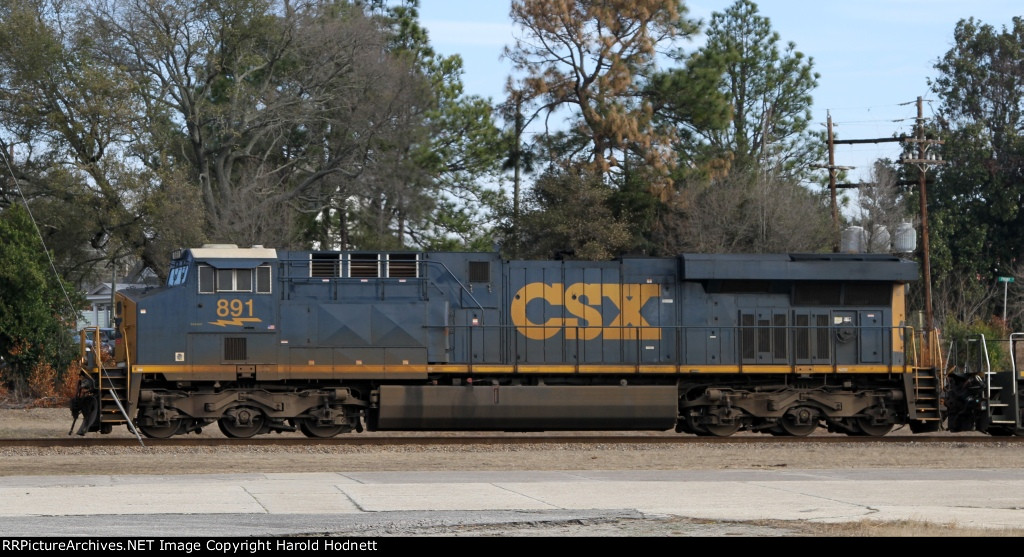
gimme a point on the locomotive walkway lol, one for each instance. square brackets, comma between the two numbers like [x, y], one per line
[364, 503]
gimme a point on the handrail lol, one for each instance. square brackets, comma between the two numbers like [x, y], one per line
[1013, 354]
[101, 369]
[467, 291]
[984, 363]
[936, 348]
[678, 341]
[131, 424]
[915, 348]
[284, 266]
[81, 353]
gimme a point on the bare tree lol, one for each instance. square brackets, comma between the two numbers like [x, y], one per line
[882, 207]
[745, 213]
[273, 104]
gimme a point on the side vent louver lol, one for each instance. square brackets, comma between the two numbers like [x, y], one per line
[234, 349]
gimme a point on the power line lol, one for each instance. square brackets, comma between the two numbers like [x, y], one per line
[24, 200]
[923, 161]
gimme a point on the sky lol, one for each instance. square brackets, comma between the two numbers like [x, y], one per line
[875, 57]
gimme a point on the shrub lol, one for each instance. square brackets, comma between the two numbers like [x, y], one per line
[963, 339]
[42, 384]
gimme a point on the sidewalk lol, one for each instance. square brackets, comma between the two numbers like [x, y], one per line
[30, 505]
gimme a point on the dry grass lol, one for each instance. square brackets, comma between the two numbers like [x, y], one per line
[900, 529]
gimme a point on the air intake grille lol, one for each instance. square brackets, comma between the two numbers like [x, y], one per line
[234, 349]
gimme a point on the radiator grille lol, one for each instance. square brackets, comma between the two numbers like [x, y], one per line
[234, 348]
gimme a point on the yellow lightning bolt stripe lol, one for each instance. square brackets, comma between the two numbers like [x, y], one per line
[236, 321]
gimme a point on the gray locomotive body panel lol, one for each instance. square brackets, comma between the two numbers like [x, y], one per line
[692, 311]
[258, 339]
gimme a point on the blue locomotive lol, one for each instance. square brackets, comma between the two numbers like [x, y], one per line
[261, 340]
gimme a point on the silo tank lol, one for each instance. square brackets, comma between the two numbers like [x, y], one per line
[905, 239]
[880, 240]
[852, 240]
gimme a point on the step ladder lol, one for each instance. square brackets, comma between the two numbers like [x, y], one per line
[925, 404]
[1001, 388]
[924, 384]
[112, 387]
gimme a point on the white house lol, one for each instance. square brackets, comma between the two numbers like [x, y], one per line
[98, 313]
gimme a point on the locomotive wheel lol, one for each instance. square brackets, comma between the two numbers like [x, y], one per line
[798, 430]
[799, 422]
[693, 426]
[163, 431]
[310, 428]
[242, 423]
[999, 431]
[723, 430]
[872, 430]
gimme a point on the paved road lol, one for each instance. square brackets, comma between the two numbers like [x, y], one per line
[376, 503]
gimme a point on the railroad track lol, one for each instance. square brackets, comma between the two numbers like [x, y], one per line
[503, 439]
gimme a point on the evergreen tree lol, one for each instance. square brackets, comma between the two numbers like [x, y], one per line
[976, 202]
[769, 87]
[37, 310]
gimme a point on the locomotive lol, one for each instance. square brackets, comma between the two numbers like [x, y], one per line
[261, 340]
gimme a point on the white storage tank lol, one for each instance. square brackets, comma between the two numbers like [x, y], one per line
[905, 240]
[852, 240]
[880, 240]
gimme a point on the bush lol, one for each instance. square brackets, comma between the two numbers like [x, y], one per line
[42, 385]
[67, 384]
[4, 392]
[964, 353]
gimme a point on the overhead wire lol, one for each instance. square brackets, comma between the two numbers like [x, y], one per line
[39, 234]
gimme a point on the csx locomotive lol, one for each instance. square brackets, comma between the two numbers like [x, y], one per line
[260, 340]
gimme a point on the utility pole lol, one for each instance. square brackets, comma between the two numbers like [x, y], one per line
[832, 168]
[832, 186]
[923, 161]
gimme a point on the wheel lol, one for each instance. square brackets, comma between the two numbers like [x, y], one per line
[723, 430]
[872, 430]
[242, 423]
[798, 430]
[163, 431]
[310, 428]
[693, 426]
[799, 422]
[1000, 431]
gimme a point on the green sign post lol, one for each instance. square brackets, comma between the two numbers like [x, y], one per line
[1006, 282]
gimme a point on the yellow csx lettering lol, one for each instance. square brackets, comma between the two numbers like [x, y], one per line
[583, 301]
